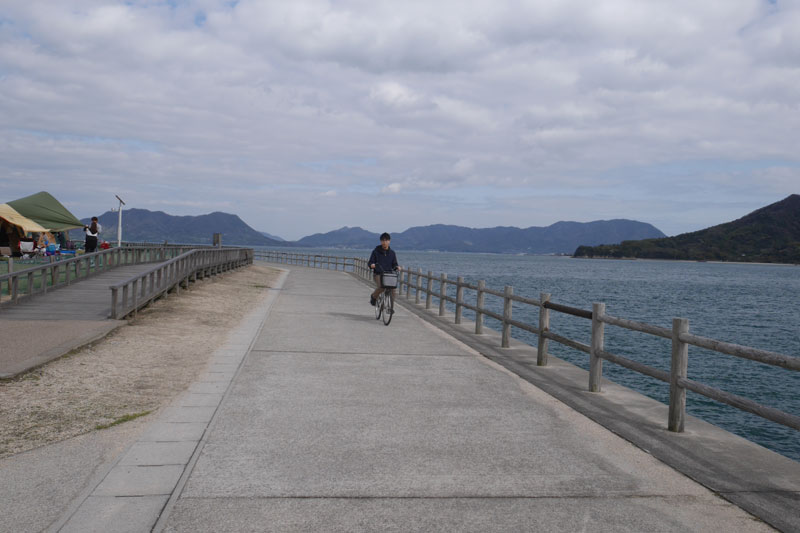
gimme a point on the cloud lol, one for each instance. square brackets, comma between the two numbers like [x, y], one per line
[265, 107]
[394, 94]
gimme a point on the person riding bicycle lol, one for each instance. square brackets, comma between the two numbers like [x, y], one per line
[383, 259]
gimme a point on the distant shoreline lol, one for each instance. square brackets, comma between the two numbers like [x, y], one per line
[686, 261]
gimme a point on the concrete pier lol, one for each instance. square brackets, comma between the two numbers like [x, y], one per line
[320, 418]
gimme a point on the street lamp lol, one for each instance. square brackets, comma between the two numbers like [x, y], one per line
[119, 222]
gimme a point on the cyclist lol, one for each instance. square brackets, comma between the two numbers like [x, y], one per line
[383, 259]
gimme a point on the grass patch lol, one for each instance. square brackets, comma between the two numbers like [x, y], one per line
[122, 419]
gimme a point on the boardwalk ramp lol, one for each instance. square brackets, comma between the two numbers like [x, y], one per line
[40, 329]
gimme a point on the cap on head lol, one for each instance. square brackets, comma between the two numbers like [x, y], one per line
[94, 219]
[386, 237]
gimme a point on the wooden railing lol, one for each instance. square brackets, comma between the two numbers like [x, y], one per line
[132, 294]
[150, 244]
[330, 262]
[435, 287]
[30, 282]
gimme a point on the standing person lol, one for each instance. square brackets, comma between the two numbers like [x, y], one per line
[91, 231]
[383, 259]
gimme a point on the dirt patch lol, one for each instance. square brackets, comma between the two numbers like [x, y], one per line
[136, 369]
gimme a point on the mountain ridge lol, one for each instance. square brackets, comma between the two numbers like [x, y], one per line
[558, 238]
[142, 225]
[770, 234]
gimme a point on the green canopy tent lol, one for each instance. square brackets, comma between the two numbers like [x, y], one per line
[46, 211]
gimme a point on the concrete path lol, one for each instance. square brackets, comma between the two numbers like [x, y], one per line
[50, 325]
[316, 417]
[335, 422]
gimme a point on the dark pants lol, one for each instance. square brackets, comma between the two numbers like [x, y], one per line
[91, 244]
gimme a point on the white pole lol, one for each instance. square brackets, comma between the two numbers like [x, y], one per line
[119, 227]
[119, 222]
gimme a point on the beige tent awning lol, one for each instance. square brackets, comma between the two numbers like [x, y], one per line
[10, 214]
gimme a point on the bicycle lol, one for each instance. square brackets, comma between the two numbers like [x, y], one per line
[384, 303]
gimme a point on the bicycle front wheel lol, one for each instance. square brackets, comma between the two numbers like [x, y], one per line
[388, 308]
[378, 306]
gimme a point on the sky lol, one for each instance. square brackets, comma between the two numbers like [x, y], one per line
[304, 116]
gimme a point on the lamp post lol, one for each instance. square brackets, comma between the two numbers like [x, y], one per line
[119, 222]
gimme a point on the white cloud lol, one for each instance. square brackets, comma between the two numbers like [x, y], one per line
[395, 94]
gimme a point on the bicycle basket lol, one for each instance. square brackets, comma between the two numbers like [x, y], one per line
[388, 280]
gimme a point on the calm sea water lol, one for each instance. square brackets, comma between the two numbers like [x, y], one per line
[753, 305]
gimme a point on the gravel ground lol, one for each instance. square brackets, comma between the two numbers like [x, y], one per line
[135, 370]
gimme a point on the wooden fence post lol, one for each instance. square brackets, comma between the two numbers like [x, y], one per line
[419, 283]
[429, 292]
[479, 307]
[544, 325]
[595, 361]
[114, 303]
[442, 293]
[679, 367]
[135, 296]
[459, 298]
[506, 339]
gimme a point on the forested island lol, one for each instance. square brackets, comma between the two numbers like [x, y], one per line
[768, 235]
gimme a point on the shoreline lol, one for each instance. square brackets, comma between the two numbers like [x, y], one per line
[713, 262]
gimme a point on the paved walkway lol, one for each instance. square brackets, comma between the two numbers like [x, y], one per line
[50, 325]
[319, 418]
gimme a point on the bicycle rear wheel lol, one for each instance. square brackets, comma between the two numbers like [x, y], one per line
[388, 308]
[378, 306]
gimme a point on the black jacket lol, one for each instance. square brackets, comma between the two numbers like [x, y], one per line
[384, 260]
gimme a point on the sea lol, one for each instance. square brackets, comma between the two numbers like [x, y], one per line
[756, 305]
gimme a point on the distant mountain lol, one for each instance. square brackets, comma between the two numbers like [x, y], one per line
[770, 234]
[341, 238]
[273, 237]
[561, 237]
[142, 225]
[157, 226]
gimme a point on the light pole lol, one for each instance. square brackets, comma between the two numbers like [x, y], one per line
[119, 222]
